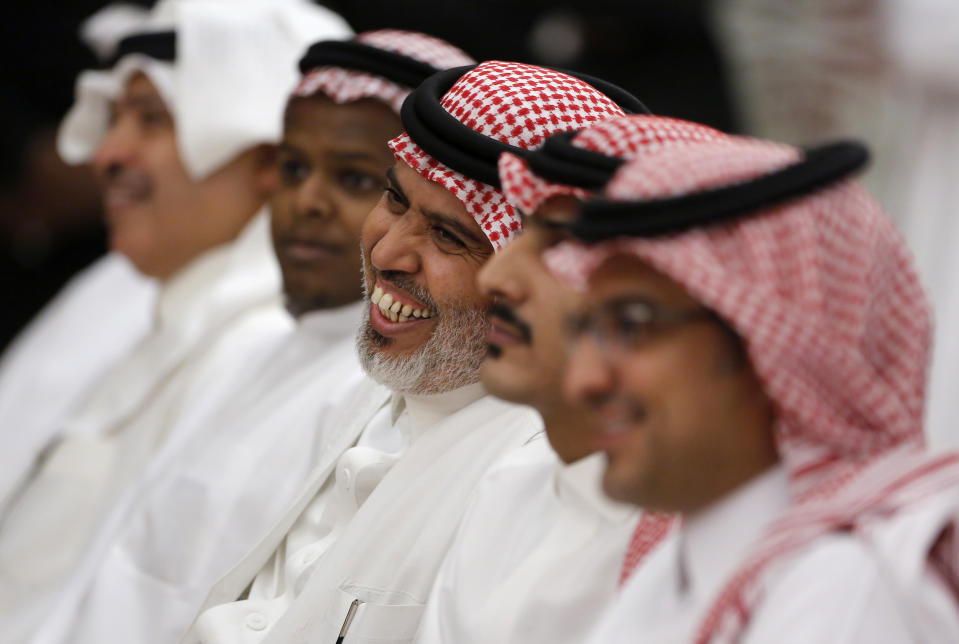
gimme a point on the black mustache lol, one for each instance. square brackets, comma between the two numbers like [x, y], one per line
[506, 314]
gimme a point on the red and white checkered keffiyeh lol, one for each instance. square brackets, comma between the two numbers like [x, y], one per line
[347, 85]
[513, 103]
[623, 137]
[824, 293]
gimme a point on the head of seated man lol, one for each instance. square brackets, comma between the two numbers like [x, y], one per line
[755, 342]
[682, 416]
[159, 214]
[704, 346]
[435, 227]
[333, 161]
[183, 145]
[527, 344]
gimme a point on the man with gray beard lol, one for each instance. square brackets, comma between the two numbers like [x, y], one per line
[354, 558]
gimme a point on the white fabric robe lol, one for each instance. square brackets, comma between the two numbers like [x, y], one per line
[98, 317]
[201, 509]
[537, 557]
[216, 320]
[388, 555]
[841, 589]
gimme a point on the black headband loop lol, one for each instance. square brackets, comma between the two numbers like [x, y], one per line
[361, 57]
[559, 161]
[159, 45]
[820, 167]
[446, 139]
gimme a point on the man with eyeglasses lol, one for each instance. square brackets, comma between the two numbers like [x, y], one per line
[540, 552]
[754, 340]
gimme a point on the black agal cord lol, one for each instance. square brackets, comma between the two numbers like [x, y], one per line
[365, 58]
[446, 139]
[159, 45]
[820, 166]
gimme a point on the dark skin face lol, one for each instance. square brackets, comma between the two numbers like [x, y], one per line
[527, 344]
[683, 418]
[158, 215]
[333, 162]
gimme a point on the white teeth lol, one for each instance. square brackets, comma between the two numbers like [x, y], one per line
[395, 310]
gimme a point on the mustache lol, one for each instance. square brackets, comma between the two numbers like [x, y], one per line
[506, 314]
[117, 175]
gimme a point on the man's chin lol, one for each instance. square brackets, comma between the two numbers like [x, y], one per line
[506, 380]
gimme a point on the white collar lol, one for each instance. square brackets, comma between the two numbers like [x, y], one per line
[581, 483]
[210, 285]
[424, 411]
[331, 325]
[714, 540]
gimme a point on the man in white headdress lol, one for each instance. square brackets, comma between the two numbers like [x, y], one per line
[355, 556]
[225, 488]
[183, 146]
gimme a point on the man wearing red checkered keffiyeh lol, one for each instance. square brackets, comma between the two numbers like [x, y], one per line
[757, 340]
[400, 454]
[539, 520]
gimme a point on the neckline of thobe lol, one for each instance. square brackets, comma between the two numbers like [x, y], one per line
[714, 540]
[425, 410]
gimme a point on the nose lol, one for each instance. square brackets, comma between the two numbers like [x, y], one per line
[395, 241]
[502, 276]
[117, 147]
[589, 379]
[313, 197]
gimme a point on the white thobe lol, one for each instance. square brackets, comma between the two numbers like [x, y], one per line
[204, 508]
[373, 533]
[840, 589]
[537, 556]
[216, 319]
[98, 317]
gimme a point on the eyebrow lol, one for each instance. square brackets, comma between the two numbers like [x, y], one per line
[435, 216]
[452, 222]
[150, 100]
[395, 185]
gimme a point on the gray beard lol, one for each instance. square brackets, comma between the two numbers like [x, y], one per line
[448, 360]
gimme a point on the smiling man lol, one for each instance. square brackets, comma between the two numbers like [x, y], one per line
[754, 341]
[182, 146]
[252, 451]
[355, 556]
[538, 555]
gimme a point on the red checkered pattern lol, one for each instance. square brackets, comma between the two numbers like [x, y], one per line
[825, 295]
[649, 533]
[624, 137]
[515, 103]
[345, 85]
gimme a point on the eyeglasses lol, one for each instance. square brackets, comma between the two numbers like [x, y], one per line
[629, 323]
